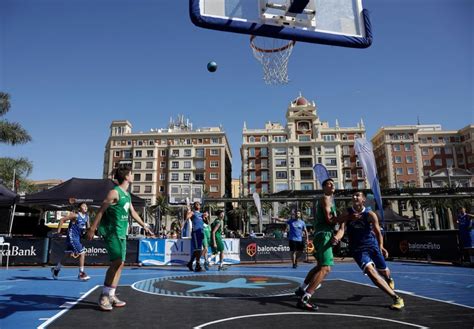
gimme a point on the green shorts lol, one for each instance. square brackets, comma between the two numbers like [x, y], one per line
[323, 248]
[116, 247]
[219, 246]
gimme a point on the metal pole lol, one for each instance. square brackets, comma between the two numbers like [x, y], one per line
[11, 220]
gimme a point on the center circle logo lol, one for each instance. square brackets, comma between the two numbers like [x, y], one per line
[219, 286]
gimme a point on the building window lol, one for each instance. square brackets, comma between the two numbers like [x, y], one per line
[426, 163]
[410, 170]
[280, 151]
[424, 151]
[264, 164]
[449, 163]
[438, 162]
[330, 162]
[409, 159]
[214, 164]
[138, 154]
[137, 165]
[306, 186]
[448, 150]
[117, 154]
[252, 176]
[163, 153]
[263, 152]
[398, 159]
[148, 177]
[136, 189]
[396, 147]
[436, 150]
[175, 164]
[264, 187]
[329, 150]
[304, 138]
[280, 162]
[264, 176]
[162, 164]
[360, 173]
[279, 139]
[332, 173]
[147, 189]
[162, 188]
[347, 174]
[186, 177]
[214, 176]
[174, 177]
[281, 175]
[187, 164]
[136, 177]
[329, 138]
[281, 187]
[199, 164]
[399, 171]
[214, 152]
[407, 147]
[149, 165]
[252, 188]
[187, 152]
[149, 153]
[252, 152]
[346, 150]
[162, 176]
[214, 140]
[199, 177]
[251, 139]
[263, 139]
[200, 153]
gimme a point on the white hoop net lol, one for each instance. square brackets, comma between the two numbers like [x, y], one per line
[273, 54]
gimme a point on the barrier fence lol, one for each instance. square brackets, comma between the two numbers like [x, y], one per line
[425, 245]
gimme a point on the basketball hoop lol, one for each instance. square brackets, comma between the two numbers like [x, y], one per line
[273, 54]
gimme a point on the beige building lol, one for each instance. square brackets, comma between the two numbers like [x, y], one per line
[279, 157]
[178, 162]
[46, 184]
[424, 156]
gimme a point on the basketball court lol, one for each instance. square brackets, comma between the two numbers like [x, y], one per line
[245, 295]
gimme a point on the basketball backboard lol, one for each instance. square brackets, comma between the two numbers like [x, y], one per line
[342, 23]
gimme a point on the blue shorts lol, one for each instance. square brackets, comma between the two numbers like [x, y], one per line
[197, 237]
[369, 255]
[74, 246]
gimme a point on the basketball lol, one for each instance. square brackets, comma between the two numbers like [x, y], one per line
[212, 66]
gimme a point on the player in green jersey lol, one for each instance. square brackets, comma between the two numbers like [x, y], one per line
[112, 222]
[216, 238]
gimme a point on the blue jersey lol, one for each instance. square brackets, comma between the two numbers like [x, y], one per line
[464, 222]
[78, 227]
[198, 223]
[297, 227]
[360, 232]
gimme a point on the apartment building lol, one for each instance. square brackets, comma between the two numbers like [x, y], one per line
[178, 162]
[277, 157]
[424, 156]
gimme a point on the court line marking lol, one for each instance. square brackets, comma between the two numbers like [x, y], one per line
[411, 294]
[306, 313]
[66, 308]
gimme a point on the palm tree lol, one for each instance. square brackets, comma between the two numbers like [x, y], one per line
[10, 132]
[22, 168]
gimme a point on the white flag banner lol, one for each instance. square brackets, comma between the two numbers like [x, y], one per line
[365, 153]
[258, 204]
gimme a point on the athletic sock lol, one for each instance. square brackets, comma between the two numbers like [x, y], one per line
[108, 291]
[58, 266]
[81, 269]
[306, 297]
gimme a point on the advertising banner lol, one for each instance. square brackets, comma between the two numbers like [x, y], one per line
[430, 245]
[177, 251]
[253, 250]
[96, 254]
[26, 251]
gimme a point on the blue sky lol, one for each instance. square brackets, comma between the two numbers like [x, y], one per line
[71, 67]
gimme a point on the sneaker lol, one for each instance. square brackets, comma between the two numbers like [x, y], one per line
[198, 269]
[104, 303]
[206, 266]
[83, 276]
[55, 273]
[190, 266]
[391, 283]
[116, 302]
[295, 265]
[398, 304]
[306, 305]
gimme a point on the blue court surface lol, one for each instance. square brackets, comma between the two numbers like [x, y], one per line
[30, 298]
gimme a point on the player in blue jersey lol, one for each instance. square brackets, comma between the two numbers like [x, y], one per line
[78, 224]
[464, 221]
[295, 236]
[366, 247]
[197, 236]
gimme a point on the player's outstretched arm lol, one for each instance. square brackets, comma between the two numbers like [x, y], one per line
[378, 232]
[137, 218]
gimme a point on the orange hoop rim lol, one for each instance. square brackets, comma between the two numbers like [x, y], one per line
[291, 43]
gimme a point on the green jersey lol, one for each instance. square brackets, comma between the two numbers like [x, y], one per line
[115, 219]
[219, 230]
[321, 225]
[207, 233]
